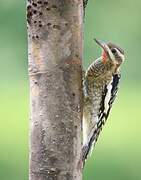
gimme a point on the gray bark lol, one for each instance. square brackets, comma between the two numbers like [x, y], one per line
[55, 73]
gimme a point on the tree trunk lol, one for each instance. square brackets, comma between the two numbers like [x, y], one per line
[55, 71]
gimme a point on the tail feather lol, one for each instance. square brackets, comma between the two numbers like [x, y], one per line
[87, 147]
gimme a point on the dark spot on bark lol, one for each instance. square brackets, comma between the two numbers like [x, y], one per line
[36, 82]
[56, 27]
[54, 6]
[35, 12]
[48, 24]
[66, 24]
[28, 7]
[37, 36]
[77, 55]
[35, 22]
[48, 9]
[45, 3]
[39, 2]
[34, 4]
[52, 174]
[29, 15]
[40, 24]
[40, 13]
[73, 94]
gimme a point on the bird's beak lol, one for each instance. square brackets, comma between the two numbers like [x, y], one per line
[103, 46]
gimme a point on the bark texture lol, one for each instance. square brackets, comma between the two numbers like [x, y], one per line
[55, 71]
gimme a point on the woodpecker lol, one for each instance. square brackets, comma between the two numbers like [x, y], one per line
[100, 87]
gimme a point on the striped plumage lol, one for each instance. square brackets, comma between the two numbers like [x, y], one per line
[100, 87]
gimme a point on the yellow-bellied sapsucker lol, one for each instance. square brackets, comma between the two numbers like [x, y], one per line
[100, 86]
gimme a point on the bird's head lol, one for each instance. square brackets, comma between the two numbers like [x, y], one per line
[111, 53]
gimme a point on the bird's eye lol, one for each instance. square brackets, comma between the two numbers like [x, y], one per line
[114, 51]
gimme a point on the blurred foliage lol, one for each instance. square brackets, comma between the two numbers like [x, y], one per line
[13, 41]
[117, 154]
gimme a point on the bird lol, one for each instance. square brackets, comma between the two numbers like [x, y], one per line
[100, 87]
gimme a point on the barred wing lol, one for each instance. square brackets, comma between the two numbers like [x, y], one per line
[108, 97]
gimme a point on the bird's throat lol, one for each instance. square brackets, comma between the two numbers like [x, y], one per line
[104, 57]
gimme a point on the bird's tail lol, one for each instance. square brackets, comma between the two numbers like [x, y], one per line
[88, 147]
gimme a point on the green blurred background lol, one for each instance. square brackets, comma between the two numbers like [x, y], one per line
[118, 151]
